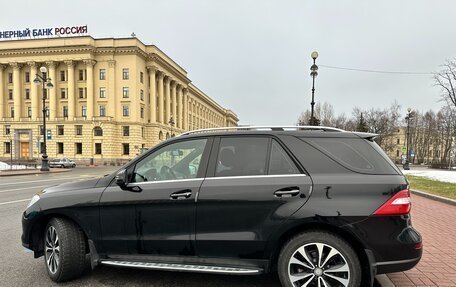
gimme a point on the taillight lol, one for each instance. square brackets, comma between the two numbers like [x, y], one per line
[399, 204]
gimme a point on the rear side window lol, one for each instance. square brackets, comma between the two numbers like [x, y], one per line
[280, 162]
[242, 156]
[354, 153]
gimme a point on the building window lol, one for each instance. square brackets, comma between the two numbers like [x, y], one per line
[125, 74]
[125, 111]
[125, 149]
[141, 77]
[97, 131]
[83, 111]
[40, 129]
[65, 111]
[141, 95]
[82, 93]
[102, 111]
[60, 130]
[27, 77]
[125, 92]
[78, 148]
[7, 129]
[78, 129]
[10, 78]
[29, 112]
[98, 148]
[126, 131]
[63, 94]
[142, 112]
[102, 92]
[12, 112]
[60, 148]
[102, 74]
[10, 94]
[7, 146]
[143, 132]
[62, 76]
[82, 75]
[398, 141]
[27, 94]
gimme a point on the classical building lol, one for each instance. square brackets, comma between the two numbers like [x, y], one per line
[111, 99]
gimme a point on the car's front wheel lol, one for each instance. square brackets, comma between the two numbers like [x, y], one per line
[64, 250]
[318, 259]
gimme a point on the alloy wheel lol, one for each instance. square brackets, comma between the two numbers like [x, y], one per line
[318, 265]
[52, 249]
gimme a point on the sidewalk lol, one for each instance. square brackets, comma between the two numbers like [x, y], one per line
[436, 221]
[31, 171]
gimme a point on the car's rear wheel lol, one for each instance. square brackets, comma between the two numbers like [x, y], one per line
[318, 259]
[64, 250]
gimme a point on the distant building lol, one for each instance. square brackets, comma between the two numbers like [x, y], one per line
[111, 98]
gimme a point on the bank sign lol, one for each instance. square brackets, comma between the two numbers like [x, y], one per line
[43, 33]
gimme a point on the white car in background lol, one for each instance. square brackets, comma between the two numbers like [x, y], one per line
[62, 162]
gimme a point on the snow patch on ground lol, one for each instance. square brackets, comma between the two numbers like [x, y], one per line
[440, 175]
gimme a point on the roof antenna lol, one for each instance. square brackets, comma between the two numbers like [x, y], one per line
[133, 35]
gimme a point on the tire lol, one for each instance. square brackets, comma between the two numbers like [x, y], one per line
[293, 266]
[69, 262]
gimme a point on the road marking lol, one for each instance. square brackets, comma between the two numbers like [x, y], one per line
[30, 187]
[15, 201]
[43, 180]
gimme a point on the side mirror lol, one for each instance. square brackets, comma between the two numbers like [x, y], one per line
[121, 180]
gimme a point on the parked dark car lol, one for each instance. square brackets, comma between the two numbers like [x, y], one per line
[317, 205]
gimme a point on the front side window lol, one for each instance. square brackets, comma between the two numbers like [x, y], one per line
[242, 156]
[179, 160]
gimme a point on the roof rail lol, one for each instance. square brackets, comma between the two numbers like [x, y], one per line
[263, 128]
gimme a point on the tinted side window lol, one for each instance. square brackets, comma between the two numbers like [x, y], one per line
[179, 160]
[280, 162]
[355, 154]
[242, 156]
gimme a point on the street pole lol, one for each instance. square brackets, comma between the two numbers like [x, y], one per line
[313, 74]
[171, 123]
[406, 165]
[46, 82]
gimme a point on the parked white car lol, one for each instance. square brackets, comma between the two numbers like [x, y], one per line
[62, 162]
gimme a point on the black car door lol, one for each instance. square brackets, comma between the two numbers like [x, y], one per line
[160, 219]
[252, 186]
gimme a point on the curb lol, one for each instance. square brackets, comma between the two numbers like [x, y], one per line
[33, 173]
[384, 281]
[434, 197]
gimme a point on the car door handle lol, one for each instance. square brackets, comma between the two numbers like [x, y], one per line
[186, 193]
[287, 192]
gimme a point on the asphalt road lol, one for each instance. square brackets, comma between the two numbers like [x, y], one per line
[19, 268]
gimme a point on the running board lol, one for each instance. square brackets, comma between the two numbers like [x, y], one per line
[183, 267]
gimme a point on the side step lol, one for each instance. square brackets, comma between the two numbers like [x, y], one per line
[183, 267]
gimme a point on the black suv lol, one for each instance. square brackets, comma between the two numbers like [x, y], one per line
[319, 206]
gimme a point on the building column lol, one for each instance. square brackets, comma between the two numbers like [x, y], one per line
[167, 99]
[71, 88]
[161, 113]
[179, 106]
[52, 92]
[2, 93]
[153, 94]
[113, 100]
[173, 100]
[186, 113]
[17, 90]
[90, 98]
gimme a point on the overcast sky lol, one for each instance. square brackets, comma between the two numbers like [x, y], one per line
[254, 56]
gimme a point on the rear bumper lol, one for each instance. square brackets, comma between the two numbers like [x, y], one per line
[396, 266]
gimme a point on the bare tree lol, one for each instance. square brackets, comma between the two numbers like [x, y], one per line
[446, 80]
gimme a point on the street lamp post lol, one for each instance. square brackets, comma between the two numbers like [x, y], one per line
[47, 84]
[11, 149]
[313, 74]
[171, 123]
[408, 117]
